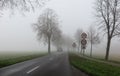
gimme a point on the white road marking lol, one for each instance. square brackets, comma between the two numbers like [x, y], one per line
[33, 69]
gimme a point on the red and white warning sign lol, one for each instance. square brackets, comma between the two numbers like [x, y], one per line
[83, 42]
[84, 35]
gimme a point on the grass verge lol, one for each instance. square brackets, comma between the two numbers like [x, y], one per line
[14, 60]
[93, 68]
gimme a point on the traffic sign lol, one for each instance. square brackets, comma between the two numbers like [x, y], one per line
[84, 35]
[83, 42]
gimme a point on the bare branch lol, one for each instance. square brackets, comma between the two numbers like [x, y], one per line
[21, 5]
[109, 13]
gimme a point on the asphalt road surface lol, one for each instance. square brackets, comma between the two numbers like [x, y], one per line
[56, 64]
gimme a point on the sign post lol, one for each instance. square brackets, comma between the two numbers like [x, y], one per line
[83, 42]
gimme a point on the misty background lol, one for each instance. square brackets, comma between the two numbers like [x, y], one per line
[17, 35]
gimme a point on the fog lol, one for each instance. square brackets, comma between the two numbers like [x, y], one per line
[16, 32]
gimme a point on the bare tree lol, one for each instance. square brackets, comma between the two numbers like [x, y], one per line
[62, 41]
[93, 37]
[57, 40]
[47, 26]
[78, 38]
[108, 13]
[67, 42]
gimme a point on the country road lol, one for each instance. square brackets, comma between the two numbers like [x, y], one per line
[56, 64]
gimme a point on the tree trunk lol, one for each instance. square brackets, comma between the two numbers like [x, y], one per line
[91, 50]
[79, 47]
[108, 48]
[49, 47]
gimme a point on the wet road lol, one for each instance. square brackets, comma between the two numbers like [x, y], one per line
[56, 64]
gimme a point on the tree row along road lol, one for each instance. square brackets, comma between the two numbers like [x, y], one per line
[56, 64]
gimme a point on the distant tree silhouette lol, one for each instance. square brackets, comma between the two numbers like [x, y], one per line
[78, 38]
[93, 37]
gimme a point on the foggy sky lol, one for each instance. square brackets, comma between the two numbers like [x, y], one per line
[16, 33]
